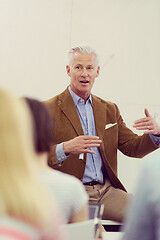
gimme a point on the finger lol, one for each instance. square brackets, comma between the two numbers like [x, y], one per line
[142, 128]
[141, 120]
[146, 112]
[93, 142]
[87, 151]
[86, 137]
[141, 124]
[149, 123]
[91, 145]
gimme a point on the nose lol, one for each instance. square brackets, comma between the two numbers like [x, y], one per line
[84, 73]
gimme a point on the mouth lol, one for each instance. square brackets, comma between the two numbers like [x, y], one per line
[84, 81]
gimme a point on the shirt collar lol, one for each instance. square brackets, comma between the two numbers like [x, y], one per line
[76, 98]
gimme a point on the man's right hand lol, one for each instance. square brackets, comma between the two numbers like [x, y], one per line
[81, 144]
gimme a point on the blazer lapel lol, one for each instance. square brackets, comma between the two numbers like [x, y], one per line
[99, 110]
[68, 107]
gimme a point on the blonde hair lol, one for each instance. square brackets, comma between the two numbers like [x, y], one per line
[22, 195]
[83, 50]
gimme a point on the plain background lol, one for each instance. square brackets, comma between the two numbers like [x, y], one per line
[35, 36]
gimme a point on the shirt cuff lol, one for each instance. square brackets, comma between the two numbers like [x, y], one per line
[155, 139]
[61, 156]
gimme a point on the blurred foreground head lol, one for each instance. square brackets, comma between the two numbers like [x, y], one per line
[21, 193]
[43, 125]
[16, 137]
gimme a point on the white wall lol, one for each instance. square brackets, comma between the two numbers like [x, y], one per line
[35, 36]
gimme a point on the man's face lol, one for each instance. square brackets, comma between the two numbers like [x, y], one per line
[82, 73]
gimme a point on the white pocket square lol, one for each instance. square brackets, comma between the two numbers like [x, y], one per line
[110, 125]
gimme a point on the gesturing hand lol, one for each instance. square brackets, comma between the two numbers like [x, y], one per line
[81, 144]
[148, 124]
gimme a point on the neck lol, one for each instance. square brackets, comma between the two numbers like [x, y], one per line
[82, 95]
[43, 157]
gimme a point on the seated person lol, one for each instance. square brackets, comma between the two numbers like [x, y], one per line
[143, 216]
[23, 199]
[68, 190]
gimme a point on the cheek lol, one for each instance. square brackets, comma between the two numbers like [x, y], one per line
[78, 76]
[73, 76]
[93, 80]
[75, 79]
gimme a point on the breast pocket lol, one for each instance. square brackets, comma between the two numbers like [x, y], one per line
[111, 136]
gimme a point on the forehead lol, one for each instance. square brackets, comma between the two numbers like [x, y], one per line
[84, 59]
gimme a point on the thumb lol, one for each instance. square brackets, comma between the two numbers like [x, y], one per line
[146, 112]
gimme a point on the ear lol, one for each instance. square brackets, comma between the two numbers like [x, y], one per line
[98, 69]
[68, 70]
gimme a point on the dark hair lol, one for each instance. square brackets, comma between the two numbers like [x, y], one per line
[43, 125]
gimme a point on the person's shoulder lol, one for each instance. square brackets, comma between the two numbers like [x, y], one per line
[152, 162]
[66, 178]
[59, 178]
[150, 169]
[67, 183]
[56, 98]
[108, 104]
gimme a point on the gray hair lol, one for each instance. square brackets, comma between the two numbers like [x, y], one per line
[83, 50]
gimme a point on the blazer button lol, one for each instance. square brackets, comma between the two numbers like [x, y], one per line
[50, 163]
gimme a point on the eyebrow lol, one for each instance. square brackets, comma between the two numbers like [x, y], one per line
[90, 65]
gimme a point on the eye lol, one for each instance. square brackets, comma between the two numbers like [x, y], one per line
[78, 67]
[89, 67]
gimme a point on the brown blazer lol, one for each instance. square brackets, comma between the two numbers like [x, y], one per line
[67, 126]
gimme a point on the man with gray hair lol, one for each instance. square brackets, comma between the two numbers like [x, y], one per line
[90, 130]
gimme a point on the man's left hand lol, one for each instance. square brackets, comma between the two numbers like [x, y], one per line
[148, 124]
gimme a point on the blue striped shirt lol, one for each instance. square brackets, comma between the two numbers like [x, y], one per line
[94, 164]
